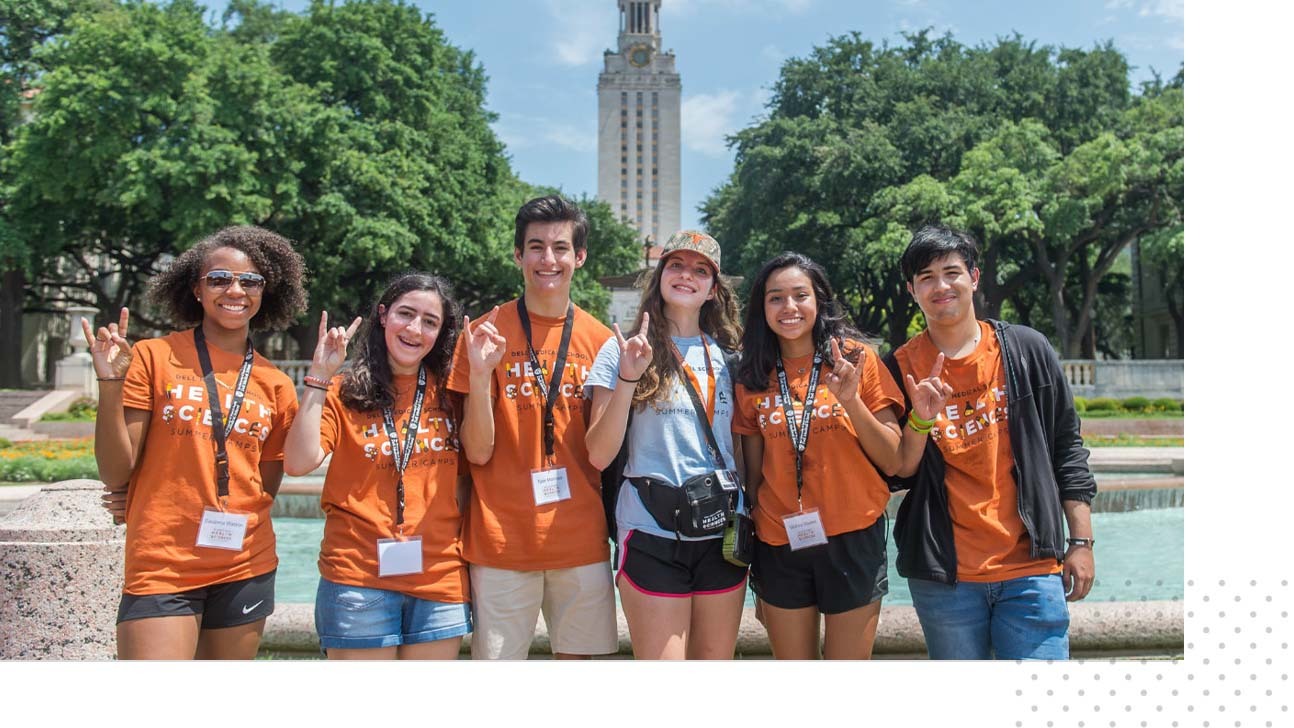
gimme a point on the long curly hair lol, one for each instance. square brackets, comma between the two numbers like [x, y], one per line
[283, 301]
[368, 385]
[719, 320]
[759, 345]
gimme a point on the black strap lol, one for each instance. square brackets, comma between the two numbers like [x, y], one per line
[711, 440]
[545, 388]
[799, 431]
[401, 456]
[219, 433]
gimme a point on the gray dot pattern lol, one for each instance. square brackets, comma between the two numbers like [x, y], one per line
[1234, 673]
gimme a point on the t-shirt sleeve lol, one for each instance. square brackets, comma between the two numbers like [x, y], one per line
[877, 387]
[137, 389]
[743, 414]
[605, 369]
[460, 372]
[330, 417]
[285, 411]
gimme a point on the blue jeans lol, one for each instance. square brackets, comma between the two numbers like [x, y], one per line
[358, 618]
[1016, 619]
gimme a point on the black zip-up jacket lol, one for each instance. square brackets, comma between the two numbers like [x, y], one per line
[1049, 463]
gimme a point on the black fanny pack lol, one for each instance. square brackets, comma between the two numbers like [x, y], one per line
[698, 508]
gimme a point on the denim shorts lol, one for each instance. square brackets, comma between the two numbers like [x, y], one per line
[359, 618]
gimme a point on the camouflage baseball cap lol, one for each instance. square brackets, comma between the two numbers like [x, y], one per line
[697, 242]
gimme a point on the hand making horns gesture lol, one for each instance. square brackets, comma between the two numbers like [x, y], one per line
[842, 382]
[330, 350]
[485, 345]
[635, 353]
[109, 348]
[930, 395]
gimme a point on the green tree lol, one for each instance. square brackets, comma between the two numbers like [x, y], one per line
[864, 143]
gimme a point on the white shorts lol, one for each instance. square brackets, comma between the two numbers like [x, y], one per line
[578, 605]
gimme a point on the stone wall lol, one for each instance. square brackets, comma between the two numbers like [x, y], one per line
[1119, 379]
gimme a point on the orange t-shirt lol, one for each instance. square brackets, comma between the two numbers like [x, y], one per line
[359, 495]
[504, 528]
[839, 480]
[175, 478]
[991, 540]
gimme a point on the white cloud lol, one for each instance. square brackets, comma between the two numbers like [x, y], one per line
[1170, 9]
[707, 118]
[688, 7]
[522, 132]
[582, 30]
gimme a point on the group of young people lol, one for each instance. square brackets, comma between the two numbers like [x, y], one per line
[478, 475]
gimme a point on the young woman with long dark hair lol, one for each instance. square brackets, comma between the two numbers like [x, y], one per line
[818, 418]
[189, 440]
[393, 583]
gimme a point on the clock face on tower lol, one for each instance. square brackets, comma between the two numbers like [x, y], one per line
[640, 55]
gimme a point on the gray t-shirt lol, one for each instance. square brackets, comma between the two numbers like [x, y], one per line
[666, 439]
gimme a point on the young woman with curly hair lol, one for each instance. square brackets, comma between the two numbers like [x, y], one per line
[818, 419]
[682, 599]
[200, 558]
[393, 583]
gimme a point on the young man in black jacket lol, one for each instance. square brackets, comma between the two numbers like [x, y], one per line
[979, 534]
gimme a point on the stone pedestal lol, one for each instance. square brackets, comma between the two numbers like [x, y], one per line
[60, 575]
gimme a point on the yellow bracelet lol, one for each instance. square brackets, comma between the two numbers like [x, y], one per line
[922, 430]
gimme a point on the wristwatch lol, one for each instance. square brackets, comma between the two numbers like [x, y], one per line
[1088, 542]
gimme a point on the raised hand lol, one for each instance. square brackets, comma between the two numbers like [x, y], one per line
[842, 382]
[330, 349]
[930, 395]
[109, 348]
[635, 352]
[485, 345]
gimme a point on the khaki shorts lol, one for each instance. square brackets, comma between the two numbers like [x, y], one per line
[578, 605]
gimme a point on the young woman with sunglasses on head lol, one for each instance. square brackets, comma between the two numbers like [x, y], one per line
[393, 583]
[818, 418]
[191, 427]
[680, 596]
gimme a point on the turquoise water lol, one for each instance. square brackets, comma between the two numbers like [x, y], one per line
[1139, 557]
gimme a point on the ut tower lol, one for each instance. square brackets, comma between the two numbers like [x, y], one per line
[638, 126]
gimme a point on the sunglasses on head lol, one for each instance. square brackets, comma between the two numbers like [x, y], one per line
[224, 279]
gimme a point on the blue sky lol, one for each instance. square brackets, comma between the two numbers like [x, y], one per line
[543, 58]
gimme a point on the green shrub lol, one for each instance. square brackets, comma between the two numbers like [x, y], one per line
[35, 469]
[1103, 404]
[5, 443]
[82, 410]
[1136, 404]
[1080, 405]
[1167, 404]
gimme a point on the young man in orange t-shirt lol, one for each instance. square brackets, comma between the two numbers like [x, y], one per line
[980, 534]
[535, 534]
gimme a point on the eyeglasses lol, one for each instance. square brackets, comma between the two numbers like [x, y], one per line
[220, 279]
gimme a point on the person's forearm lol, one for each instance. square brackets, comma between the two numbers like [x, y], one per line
[302, 452]
[1078, 516]
[606, 431]
[113, 452]
[911, 450]
[880, 442]
[478, 420]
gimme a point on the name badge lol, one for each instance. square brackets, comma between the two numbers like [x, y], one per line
[727, 480]
[399, 556]
[804, 529]
[550, 485]
[222, 530]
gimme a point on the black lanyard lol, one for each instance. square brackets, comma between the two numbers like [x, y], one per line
[711, 440]
[401, 456]
[219, 433]
[548, 392]
[799, 431]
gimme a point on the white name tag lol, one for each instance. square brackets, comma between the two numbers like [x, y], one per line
[550, 485]
[222, 530]
[804, 529]
[399, 556]
[727, 480]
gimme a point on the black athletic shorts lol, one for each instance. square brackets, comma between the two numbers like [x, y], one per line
[221, 605]
[667, 567]
[845, 573]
